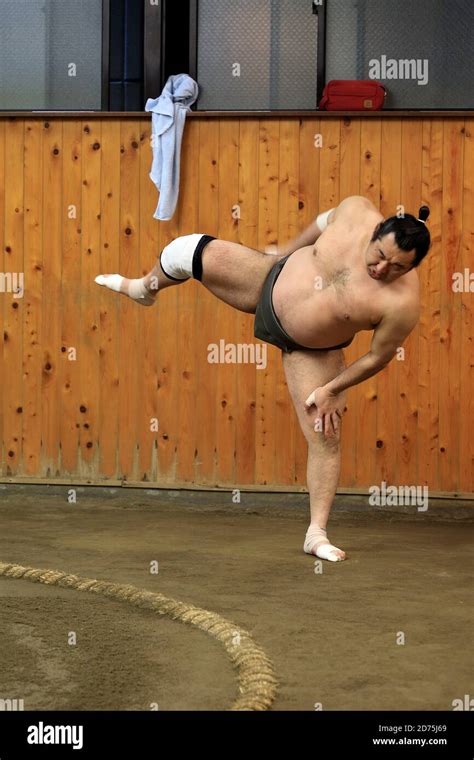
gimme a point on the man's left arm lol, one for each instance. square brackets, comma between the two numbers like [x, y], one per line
[308, 237]
[388, 336]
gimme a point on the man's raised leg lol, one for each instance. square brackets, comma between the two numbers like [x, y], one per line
[232, 272]
[305, 371]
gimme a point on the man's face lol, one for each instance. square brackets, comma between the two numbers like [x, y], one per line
[385, 261]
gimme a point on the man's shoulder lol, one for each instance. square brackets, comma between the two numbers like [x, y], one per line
[356, 201]
[403, 300]
[354, 205]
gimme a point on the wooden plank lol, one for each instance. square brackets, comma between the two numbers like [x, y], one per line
[208, 222]
[147, 347]
[467, 353]
[349, 184]
[72, 296]
[407, 405]
[3, 335]
[366, 393]
[451, 336]
[188, 357]
[265, 428]
[109, 303]
[429, 325]
[225, 315]
[90, 317]
[129, 361]
[246, 374]
[386, 451]
[52, 257]
[329, 164]
[33, 297]
[14, 307]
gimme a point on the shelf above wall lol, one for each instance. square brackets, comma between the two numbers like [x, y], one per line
[460, 114]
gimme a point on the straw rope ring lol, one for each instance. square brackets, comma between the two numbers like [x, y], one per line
[256, 678]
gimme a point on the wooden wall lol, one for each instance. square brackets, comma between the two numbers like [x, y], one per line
[77, 201]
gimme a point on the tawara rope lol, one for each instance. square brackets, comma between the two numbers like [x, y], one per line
[257, 683]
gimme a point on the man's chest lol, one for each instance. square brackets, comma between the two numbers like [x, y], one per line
[346, 291]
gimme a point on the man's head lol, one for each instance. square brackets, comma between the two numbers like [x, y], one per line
[398, 244]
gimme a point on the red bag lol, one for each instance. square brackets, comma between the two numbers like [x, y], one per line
[353, 95]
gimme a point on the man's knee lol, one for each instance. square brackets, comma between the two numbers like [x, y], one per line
[327, 443]
[315, 435]
[182, 258]
[330, 444]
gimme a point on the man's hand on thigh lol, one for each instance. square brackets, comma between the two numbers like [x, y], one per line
[329, 410]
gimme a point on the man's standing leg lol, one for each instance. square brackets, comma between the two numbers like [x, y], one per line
[305, 371]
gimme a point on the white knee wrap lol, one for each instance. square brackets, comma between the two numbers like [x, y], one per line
[322, 219]
[177, 256]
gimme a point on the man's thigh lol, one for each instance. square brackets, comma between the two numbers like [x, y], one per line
[235, 273]
[307, 370]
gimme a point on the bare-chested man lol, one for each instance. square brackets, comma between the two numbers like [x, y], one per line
[350, 270]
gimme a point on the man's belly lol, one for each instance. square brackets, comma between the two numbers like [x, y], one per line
[318, 311]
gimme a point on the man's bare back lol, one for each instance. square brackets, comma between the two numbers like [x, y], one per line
[325, 293]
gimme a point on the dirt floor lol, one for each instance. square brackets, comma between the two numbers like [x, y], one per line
[331, 636]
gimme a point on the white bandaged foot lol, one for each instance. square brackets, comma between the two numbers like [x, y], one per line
[317, 543]
[135, 289]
